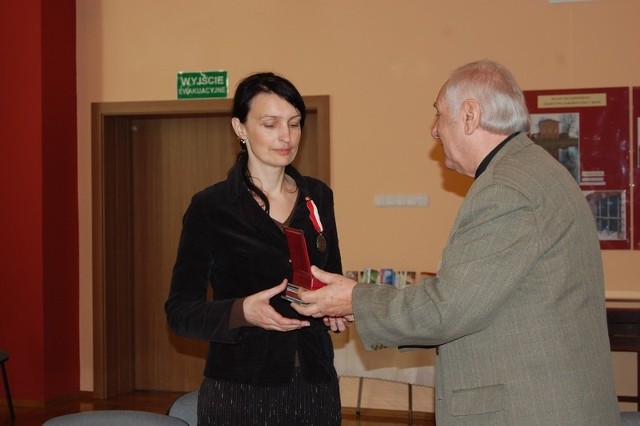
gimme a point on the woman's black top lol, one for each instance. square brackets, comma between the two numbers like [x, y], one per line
[230, 243]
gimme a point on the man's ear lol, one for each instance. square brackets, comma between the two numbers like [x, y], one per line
[471, 115]
[238, 127]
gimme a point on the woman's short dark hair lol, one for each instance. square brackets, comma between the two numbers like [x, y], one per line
[266, 82]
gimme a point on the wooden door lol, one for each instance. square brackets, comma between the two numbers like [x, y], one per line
[172, 159]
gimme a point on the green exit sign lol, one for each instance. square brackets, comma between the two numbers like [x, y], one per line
[206, 84]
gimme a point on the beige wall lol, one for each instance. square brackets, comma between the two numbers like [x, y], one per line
[382, 62]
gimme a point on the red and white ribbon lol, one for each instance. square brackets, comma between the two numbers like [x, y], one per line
[313, 215]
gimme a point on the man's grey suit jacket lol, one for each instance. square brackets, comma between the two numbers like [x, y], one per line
[517, 309]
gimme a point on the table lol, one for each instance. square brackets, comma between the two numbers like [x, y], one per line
[624, 336]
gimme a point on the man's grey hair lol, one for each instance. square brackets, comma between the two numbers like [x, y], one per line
[502, 105]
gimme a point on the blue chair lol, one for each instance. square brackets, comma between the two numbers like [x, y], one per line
[114, 418]
[185, 407]
[4, 357]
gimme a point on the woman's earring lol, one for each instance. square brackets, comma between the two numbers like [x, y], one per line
[243, 142]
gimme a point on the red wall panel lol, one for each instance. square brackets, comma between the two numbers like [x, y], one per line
[38, 198]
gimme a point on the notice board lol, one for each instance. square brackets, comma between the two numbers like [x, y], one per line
[588, 131]
[636, 167]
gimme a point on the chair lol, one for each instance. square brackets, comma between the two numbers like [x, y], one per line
[630, 418]
[4, 357]
[185, 407]
[409, 397]
[114, 418]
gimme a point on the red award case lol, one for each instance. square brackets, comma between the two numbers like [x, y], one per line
[302, 276]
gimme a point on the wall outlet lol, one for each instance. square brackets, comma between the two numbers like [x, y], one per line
[401, 200]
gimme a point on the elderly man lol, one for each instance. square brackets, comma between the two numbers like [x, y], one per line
[517, 310]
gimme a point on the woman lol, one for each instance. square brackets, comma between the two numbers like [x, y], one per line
[265, 364]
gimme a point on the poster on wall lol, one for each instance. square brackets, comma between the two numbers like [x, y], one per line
[636, 167]
[587, 130]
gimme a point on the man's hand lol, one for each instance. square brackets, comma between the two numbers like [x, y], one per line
[259, 312]
[333, 300]
[338, 324]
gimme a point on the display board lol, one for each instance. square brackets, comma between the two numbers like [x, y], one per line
[636, 167]
[587, 130]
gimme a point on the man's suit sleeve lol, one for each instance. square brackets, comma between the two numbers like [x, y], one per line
[493, 243]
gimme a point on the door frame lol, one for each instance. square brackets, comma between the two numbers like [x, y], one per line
[112, 228]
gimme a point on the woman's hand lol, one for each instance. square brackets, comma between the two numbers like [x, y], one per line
[259, 312]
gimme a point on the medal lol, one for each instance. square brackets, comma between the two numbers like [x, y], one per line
[321, 242]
